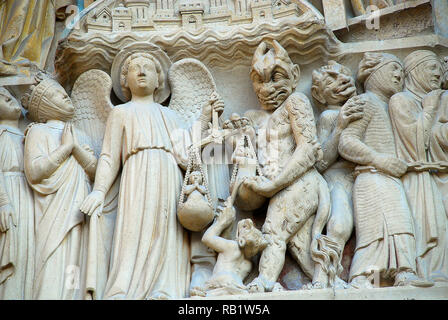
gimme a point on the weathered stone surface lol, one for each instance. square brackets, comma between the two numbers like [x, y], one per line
[182, 128]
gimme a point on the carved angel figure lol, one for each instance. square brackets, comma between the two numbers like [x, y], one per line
[299, 204]
[192, 87]
[91, 99]
[16, 207]
[57, 169]
[150, 256]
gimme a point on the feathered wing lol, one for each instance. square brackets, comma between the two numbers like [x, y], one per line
[192, 84]
[91, 99]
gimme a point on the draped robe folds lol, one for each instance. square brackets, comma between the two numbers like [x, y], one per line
[383, 222]
[424, 197]
[26, 30]
[438, 151]
[101, 229]
[151, 252]
[17, 244]
[60, 228]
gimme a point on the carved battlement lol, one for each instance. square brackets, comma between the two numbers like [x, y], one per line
[144, 15]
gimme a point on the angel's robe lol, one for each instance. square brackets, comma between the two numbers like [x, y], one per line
[438, 151]
[412, 128]
[17, 244]
[101, 228]
[150, 253]
[60, 225]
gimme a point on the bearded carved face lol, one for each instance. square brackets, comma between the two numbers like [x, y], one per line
[333, 84]
[274, 76]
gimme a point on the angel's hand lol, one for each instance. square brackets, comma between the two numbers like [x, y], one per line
[93, 203]
[88, 149]
[6, 211]
[217, 103]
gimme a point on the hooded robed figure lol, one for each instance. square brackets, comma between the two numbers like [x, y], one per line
[413, 114]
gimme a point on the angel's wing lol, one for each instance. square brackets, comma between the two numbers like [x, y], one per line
[91, 99]
[192, 84]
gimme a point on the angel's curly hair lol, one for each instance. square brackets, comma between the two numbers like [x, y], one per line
[125, 70]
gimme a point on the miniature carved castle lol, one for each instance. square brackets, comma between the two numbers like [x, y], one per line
[147, 15]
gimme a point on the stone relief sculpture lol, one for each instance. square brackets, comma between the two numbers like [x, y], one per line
[245, 163]
[197, 208]
[295, 189]
[193, 87]
[91, 99]
[26, 33]
[16, 207]
[162, 218]
[413, 114]
[332, 87]
[139, 135]
[445, 73]
[359, 6]
[438, 155]
[385, 231]
[234, 256]
[58, 169]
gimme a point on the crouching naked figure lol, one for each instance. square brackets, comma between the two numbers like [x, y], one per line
[295, 188]
[234, 256]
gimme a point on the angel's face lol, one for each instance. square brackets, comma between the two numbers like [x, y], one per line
[9, 107]
[142, 77]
